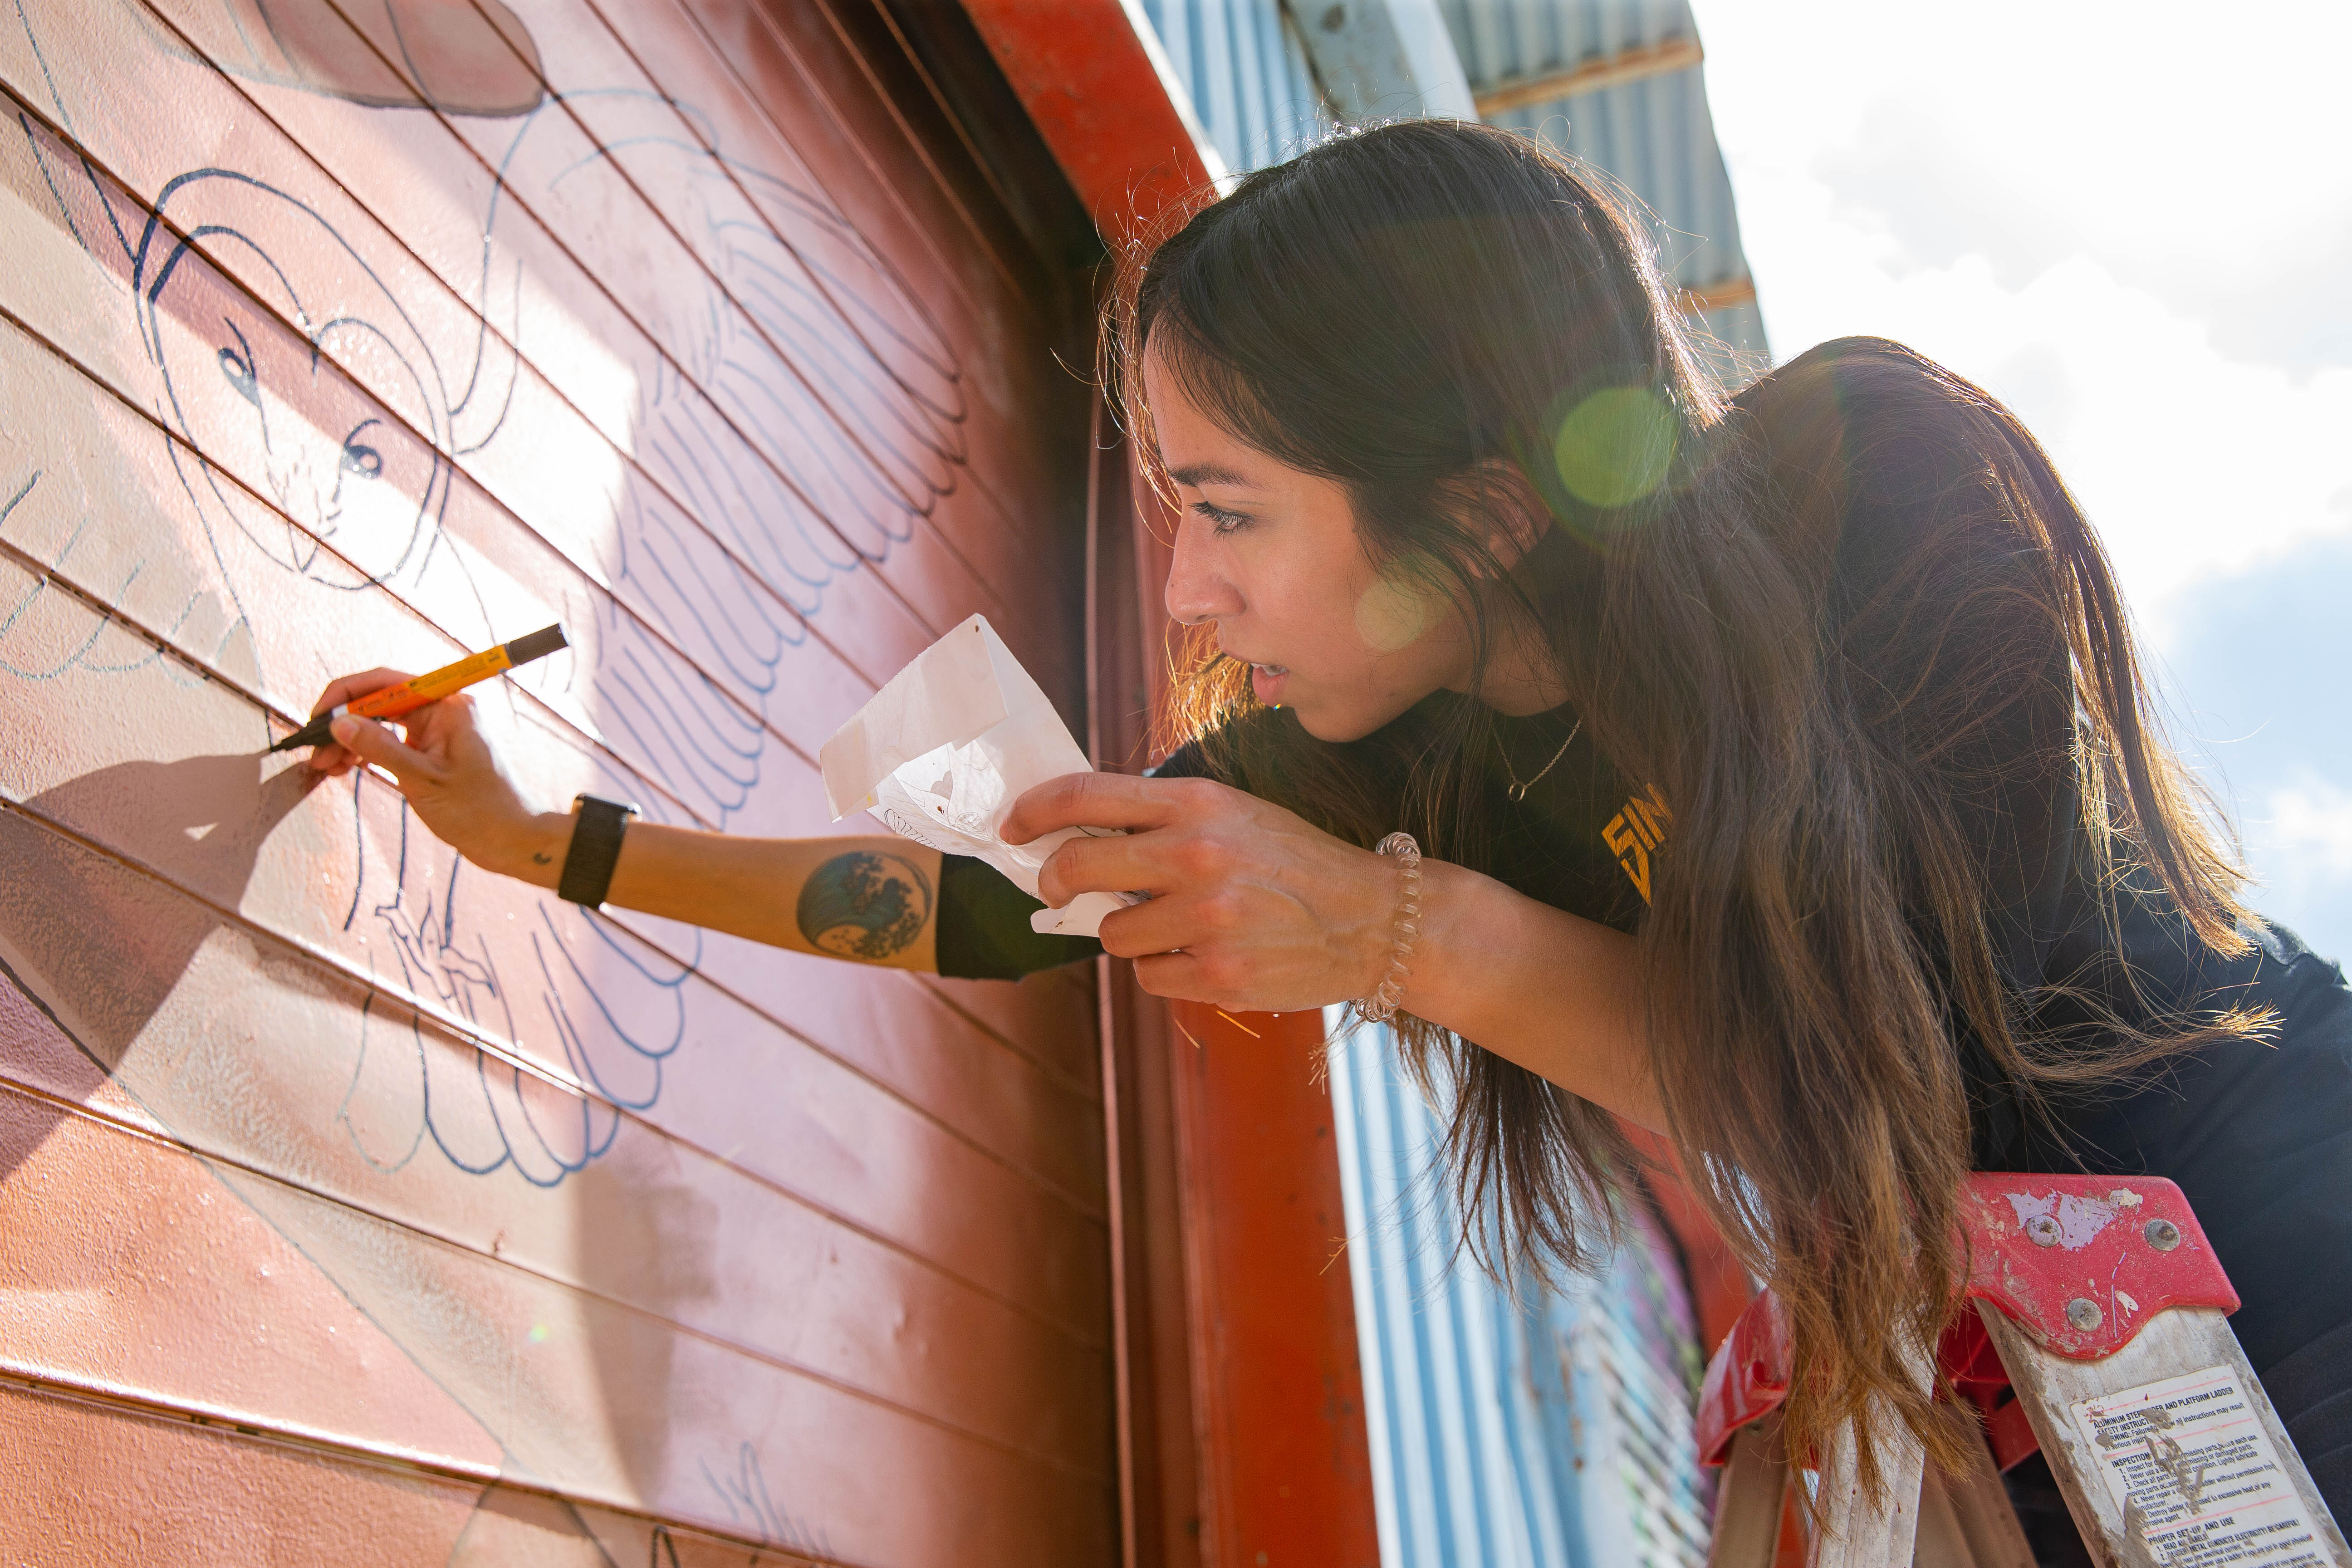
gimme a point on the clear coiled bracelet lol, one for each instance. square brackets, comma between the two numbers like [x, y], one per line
[1381, 1005]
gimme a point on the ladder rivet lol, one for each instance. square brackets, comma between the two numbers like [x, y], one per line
[2162, 1235]
[2042, 1230]
[2083, 1313]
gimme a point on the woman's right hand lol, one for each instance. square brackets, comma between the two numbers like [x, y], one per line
[452, 779]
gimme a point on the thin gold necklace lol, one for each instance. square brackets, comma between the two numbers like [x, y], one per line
[1519, 791]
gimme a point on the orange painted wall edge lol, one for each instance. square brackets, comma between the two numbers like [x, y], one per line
[1087, 82]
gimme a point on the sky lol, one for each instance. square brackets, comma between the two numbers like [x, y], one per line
[2133, 223]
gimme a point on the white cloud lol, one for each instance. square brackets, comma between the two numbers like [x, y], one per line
[2130, 223]
[2311, 825]
[2299, 841]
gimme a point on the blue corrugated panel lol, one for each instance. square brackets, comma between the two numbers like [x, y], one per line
[1656, 137]
[1247, 77]
[1552, 1431]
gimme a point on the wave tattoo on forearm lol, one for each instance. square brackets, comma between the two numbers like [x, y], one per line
[864, 905]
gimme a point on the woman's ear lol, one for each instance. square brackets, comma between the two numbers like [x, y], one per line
[1495, 500]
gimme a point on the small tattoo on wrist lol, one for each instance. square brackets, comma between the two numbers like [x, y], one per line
[539, 857]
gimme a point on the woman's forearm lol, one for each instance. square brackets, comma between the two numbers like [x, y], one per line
[868, 900]
[1536, 985]
[1254, 907]
[872, 900]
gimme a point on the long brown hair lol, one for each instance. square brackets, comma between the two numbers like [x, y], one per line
[1419, 309]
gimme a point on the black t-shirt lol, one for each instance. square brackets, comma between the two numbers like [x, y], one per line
[1581, 840]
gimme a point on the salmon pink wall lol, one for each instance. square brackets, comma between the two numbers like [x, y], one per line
[355, 1205]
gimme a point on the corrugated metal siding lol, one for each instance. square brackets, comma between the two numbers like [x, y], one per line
[1654, 137]
[1550, 1432]
[1247, 76]
[1256, 95]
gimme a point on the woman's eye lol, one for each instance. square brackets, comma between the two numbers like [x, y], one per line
[1219, 519]
[239, 373]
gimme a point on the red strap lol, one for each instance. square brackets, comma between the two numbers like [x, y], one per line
[1968, 1360]
[1746, 1380]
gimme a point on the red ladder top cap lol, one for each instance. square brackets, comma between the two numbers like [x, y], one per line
[2081, 1263]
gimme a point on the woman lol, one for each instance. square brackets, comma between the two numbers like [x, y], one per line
[1781, 767]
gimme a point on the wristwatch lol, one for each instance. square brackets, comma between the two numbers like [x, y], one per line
[595, 848]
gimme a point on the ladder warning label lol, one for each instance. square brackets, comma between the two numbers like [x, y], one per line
[2190, 1467]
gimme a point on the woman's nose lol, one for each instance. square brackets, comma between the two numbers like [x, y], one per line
[1198, 590]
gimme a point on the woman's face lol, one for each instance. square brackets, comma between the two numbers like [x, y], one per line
[1270, 554]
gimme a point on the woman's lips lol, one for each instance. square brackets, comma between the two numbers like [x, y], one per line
[1267, 681]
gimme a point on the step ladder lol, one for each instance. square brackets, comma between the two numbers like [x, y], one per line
[2099, 1338]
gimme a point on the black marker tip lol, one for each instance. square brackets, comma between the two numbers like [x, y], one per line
[537, 645]
[316, 732]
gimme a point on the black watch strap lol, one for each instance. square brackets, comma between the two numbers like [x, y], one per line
[595, 848]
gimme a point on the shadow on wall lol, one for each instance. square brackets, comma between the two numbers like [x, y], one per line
[98, 946]
[466, 57]
[510, 1526]
[101, 947]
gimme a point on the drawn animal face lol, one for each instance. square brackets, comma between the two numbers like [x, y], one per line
[350, 478]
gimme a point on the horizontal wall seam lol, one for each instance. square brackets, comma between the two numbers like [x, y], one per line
[1091, 1092]
[782, 1364]
[429, 1007]
[552, 716]
[467, 1037]
[585, 568]
[122, 1402]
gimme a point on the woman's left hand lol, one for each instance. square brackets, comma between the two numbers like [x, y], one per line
[1257, 912]
[1252, 908]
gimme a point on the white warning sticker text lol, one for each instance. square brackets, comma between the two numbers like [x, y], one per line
[2188, 1463]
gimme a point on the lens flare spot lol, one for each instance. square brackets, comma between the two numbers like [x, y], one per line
[1616, 446]
[1395, 610]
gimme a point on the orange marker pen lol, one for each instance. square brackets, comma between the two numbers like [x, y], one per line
[395, 701]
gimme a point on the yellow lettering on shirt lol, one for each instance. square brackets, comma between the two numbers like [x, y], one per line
[1634, 832]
